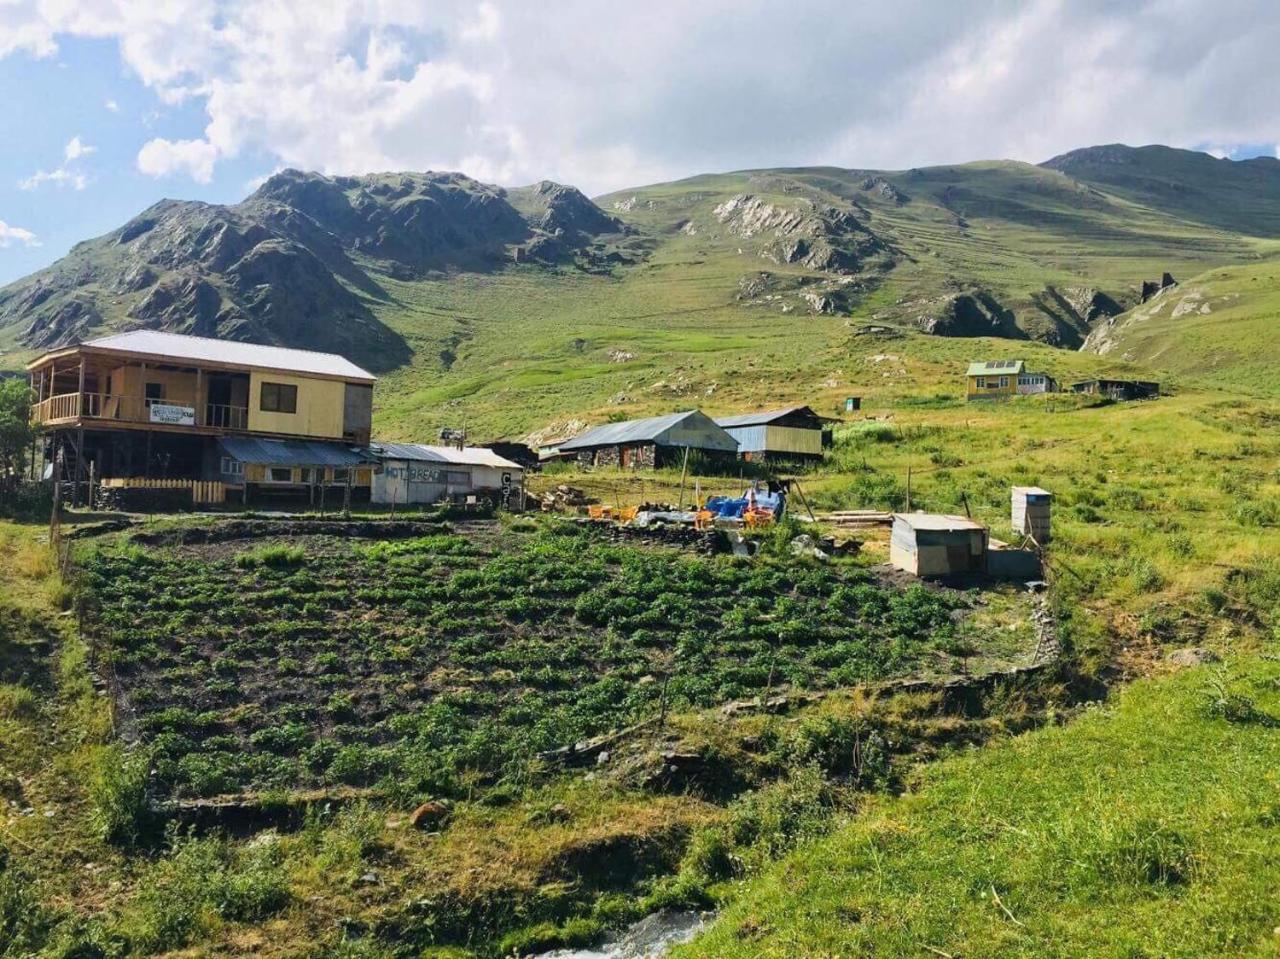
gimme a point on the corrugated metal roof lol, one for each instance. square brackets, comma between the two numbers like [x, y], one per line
[467, 456]
[760, 418]
[196, 348]
[937, 521]
[250, 449]
[628, 431]
[995, 368]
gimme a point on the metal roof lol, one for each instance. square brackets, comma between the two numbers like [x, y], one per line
[631, 431]
[763, 416]
[467, 456]
[250, 449]
[197, 348]
[995, 367]
[937, 521]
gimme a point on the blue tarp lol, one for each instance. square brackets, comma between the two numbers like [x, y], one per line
[729, 507]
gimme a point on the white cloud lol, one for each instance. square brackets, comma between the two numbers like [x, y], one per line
[68, 174]
[613, 95]
[195, 158]
[112, 106]
[77, 148]
[16, 234]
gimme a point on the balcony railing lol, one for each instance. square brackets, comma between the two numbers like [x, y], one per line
[137, 409]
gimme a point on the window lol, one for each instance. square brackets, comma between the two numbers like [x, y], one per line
[304, 475]
[457, 478]
[232, 467]
[1004, 382]
[280, 474]
[980, 383]
[155, 393]
[279, 398]
[341, 474]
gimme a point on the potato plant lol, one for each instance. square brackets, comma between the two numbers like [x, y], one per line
[434, 665]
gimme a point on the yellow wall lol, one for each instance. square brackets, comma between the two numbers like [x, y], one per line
[791, 439]
[179, 388]
[320, 405]
[991, 388]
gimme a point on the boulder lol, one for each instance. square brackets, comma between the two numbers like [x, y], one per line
[429, 816]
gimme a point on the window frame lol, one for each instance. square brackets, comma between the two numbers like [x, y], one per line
[279, 393]
[232, 466]
[272, 470]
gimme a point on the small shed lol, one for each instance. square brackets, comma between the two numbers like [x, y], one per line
[791, 433]
[653, 442]
[414, 474]
[1122, 390]
[932, 544]
[1030, 515]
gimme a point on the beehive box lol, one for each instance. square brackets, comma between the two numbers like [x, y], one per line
[1031, 509]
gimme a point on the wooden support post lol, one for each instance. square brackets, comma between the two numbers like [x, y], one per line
[199, 399]
[684, 469]
[89, 495]
[346, 496]
[146, 465]
[80, 397]
[55, 517]
[78, 476]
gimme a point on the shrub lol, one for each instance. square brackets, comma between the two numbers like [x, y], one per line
[203, 879]
[275, 557]
[123, 812]
[18, 702]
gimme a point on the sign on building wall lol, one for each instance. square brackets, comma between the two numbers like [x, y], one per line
[172, 415]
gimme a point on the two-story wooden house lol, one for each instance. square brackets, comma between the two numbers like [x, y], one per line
[148, 405]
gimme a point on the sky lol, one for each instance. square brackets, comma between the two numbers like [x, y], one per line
[107, 106]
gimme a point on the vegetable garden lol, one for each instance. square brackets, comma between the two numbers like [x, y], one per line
[451, 661]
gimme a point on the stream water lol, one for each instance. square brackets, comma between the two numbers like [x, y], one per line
[650, 938]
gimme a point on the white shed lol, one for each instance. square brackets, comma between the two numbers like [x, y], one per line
[412, 474]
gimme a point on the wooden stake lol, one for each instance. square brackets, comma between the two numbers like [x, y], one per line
[684, 471]
[908, 489]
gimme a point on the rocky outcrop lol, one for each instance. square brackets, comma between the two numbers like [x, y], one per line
[1151, 287]
[883, 188]
[823, 238]
[971, 313]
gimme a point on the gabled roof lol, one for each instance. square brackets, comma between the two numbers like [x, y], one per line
[178, 346]
[651, 430]
[419, 453]
[995, 368]
[250, 449]
[766, 416]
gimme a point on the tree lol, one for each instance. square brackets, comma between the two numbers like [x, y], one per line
[16, 432]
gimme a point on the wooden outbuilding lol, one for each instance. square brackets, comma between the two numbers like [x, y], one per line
[792, 433]
[654, 442]
[932, 544]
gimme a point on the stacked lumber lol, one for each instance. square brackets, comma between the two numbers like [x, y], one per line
[856, 518]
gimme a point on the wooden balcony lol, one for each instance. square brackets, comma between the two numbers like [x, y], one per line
[102, 409]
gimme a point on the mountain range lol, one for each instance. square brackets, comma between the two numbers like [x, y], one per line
[442, 280]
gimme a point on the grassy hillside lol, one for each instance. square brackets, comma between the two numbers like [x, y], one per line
[1144, 828]
[1218, 329]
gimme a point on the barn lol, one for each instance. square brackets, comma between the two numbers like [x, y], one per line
[793, 433]
[654, 442]
[931, 544]
[415, 474]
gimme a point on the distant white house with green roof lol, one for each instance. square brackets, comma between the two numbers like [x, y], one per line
[1000, 379]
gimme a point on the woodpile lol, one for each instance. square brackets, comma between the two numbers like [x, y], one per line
[564, 497]
[856, 518]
